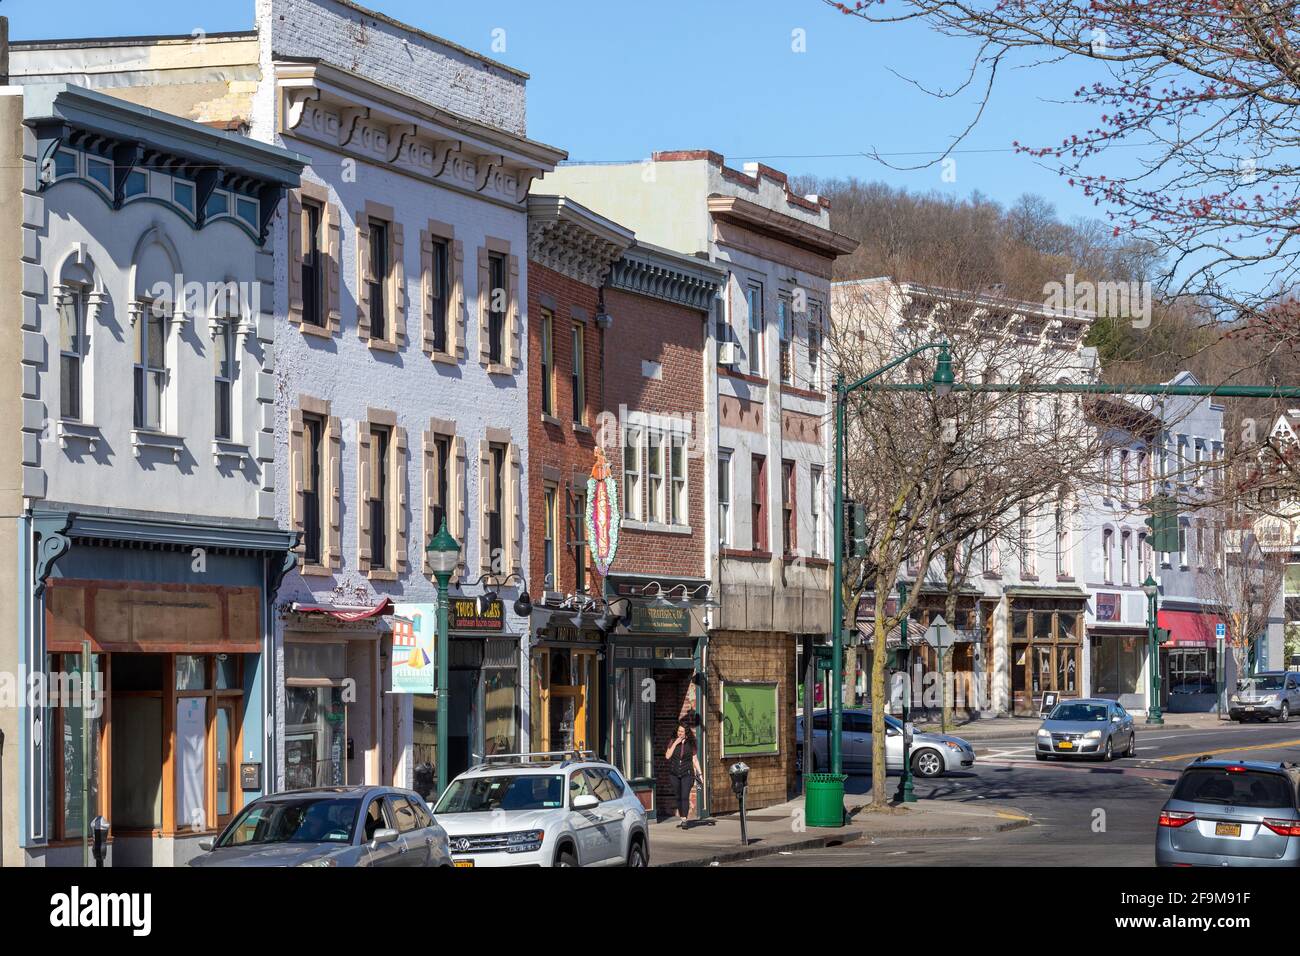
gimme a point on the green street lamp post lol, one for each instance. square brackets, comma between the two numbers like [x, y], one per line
[942, 383]
[444, 556]
[906, 792]
[1152, 590]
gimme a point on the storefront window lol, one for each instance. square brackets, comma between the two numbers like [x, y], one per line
[634, 720]
[191, 759]
[191, 672]
[500, 697]
[315, 735]
[80, 749]
[1116, 665]
[1191, 670]
[227, 672]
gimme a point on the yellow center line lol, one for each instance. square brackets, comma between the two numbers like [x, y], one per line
[1227, 750]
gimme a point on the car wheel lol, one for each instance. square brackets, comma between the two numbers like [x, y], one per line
[566, 858]
[1109, 753]
[927, 763]
[1284, 714]
[636, 855]
[1131, 751]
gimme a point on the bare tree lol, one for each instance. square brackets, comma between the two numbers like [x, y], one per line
[937, 473]
[1245, 588]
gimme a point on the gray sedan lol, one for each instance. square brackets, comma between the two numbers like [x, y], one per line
[331, 826]
[1097, 729]
[930, 756]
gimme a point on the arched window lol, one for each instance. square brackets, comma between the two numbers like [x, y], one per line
[156, 304]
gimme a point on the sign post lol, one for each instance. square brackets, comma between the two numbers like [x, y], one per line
[1220, 639]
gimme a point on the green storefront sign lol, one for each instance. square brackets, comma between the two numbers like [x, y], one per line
[749, 719]
[660, 620]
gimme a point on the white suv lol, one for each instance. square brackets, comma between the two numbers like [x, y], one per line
[543, 810]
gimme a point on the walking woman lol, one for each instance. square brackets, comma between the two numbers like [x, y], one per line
[683, 767]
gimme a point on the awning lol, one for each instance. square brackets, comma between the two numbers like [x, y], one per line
[1189, 628]
[344, 613]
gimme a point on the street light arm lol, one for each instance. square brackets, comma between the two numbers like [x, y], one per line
[894, 364]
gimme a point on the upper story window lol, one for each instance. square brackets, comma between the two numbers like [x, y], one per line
[441, 480]
[655, 477]
[1107, 555]
[496, 503]
[677, 505]
[380, 495]
[313, 502]
[758, 502]
[783, 319]
[151, 373]
[440, 291]
[788, 513]
[377, 279]
[632, 474]
[815, 509]
[313, 263]
[815, 347]
[497, 302]
[550, 544]
[73, 346]
[754, 299]
[183, 194]
[577, 375]
[724, 498]
[225, 367]
[548, 362]
[579, 538]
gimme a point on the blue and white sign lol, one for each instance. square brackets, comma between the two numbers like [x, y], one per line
[1220, 630]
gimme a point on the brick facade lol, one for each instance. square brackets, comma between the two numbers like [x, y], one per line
[671, 338]
[561, 453]
[740, 656]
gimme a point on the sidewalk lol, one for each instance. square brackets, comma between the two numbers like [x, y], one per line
[1008, 728]
[780, 829]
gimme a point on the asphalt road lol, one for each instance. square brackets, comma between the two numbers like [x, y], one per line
[1084, 814]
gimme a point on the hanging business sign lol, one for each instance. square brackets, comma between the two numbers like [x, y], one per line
[749, 719]
[650, 619]
[466, 616]
[415, 640]
[603, 517]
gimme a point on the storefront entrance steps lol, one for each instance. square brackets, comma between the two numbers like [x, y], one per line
[780, 829]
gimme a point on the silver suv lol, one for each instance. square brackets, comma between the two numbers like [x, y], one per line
[543, 809]
[1266, 694]
[1225, 813]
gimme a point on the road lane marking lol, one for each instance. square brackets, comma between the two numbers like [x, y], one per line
[1275, 745]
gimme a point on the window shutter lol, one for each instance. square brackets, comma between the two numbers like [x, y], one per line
[397, 243]
[484, 303]
[513, 322]
[484, 496]
[297, 238]
[363, 492]
[363, 273]
[794, 508]
[426, 299]
[456, 326]
[334, 475]
[296, 509]
[513, 536]
[400, 501]
[333, 231]
[456, 506]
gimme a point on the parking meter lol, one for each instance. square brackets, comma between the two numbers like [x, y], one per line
[739, 773]
[99, 833]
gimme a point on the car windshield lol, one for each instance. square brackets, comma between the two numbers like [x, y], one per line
[305, 820]
[1263, 682]
[1078, 712]
[503, 792]
[1245, 788]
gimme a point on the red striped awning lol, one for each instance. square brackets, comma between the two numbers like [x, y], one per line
[343, 613]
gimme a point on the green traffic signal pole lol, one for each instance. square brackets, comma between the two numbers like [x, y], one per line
[906, 791]
[942, 379]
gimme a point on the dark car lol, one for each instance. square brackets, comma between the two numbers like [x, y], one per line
[1226, 813]
[331, 826]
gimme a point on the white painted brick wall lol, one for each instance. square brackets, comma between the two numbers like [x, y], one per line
[434, 71]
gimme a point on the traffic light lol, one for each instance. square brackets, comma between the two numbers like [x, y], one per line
[1162, 521]
[855, 529]
[1162, 635]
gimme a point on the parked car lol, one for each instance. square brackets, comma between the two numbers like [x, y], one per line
[931, 754]
[1266, 694]
[331, 826]
[1225, 813]
[1097, 729]
[544, 810]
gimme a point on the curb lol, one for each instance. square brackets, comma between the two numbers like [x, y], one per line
[1002, 827]
[753, 853]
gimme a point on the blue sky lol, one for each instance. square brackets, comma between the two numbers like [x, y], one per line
[614, 81]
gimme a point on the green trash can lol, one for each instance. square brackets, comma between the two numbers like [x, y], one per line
[824, 799]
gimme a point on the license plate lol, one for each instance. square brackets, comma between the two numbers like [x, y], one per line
[1227, 829]
[1250, 708]
[1066, 745]
[463, 863]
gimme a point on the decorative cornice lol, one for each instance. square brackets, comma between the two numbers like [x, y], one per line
[776, 225]
[570, 239]
[661, 274]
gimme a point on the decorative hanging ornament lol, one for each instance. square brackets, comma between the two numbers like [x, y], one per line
[603, 515]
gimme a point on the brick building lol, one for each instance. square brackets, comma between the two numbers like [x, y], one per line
[767, 527]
